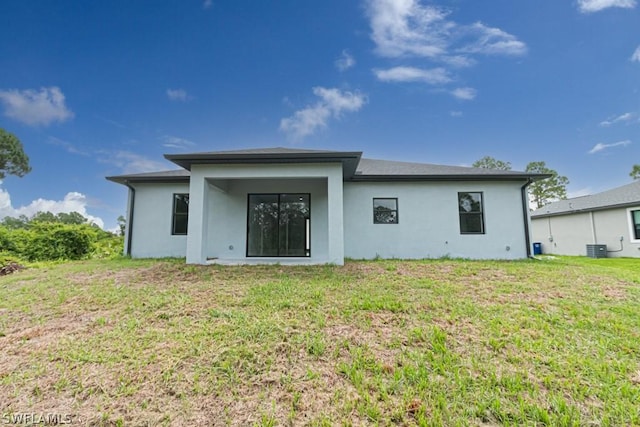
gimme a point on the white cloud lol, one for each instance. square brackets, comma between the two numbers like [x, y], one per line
[464, 93]
[129, 162]
[345, 61]
[622, 118]
[207, 4]
[455, 113]
[72, 202]
[35, 107]
[170, 141]
[458, 61]
[407, 28]
[69, 147]
[178, 95]
[333, 102]
[404, 27]
[111, 122]
[414, 29]
[600, 146]
[636, 55]
[589, 6]
[491, 41]
[432, 76]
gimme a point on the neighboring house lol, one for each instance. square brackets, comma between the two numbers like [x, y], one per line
[310, 207]
[610, 218]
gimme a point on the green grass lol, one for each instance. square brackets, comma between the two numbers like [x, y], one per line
[435, 342]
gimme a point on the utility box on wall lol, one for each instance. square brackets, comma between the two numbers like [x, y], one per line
[597, 251]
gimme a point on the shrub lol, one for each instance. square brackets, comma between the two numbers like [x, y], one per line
[6, 242]
[110, 246]
[53, 241]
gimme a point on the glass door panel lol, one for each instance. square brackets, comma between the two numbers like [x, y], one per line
[262, 236]
[278, 225]
[294, 212]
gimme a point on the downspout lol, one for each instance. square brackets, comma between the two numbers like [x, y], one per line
[594, 236]
[525, 215]
[132, 199]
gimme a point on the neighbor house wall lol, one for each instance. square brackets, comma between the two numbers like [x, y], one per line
[571, 233]
[153, 212]
[428, 225]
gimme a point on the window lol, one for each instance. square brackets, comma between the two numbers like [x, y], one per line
[471, 213]
[385, 211]
[279, 225]
[634, 223]
[180, 214]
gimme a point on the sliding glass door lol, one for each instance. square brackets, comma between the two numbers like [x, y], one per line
[278, 225]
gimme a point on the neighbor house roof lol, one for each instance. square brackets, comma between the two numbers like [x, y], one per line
[627, 195]
[355, 168]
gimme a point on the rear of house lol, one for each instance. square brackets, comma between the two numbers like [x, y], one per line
[312, 207]
[609, 220]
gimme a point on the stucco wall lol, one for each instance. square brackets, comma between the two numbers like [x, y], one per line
[570, 234]
[428, 218]
[218, 208]
[152, 222]
[428, 221]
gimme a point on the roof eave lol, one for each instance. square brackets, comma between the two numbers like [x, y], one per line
[349, 160]
[447, 177]
[124, 180]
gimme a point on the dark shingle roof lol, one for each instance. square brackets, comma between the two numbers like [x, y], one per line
[355, 168]
[349, 159]
[272, 150]
[627, 195]
[372, 168]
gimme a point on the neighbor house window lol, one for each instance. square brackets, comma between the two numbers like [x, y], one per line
[180, 214]
[385, 211]
[635, 223]
[471, 213]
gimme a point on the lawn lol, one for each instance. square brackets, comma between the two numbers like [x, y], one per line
[437, 342]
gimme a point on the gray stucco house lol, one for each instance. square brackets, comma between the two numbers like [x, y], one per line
[610, 218]
[282, 205]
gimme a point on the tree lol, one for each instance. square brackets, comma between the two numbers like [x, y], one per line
[13, 160]
[43, 216]
[488, 162]
[15, 223]
[72, 218]
[122, 224]
[635, 172]
[549, 189]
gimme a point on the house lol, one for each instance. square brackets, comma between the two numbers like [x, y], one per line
[610, 218]
[284, 205]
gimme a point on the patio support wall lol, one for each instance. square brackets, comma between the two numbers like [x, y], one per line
[335, 220]
[199, 215]
[197, 229]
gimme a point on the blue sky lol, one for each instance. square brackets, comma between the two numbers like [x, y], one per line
[106, 88]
